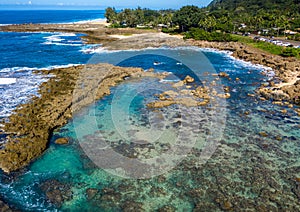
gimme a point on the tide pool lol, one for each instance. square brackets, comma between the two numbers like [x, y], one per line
[255, 163]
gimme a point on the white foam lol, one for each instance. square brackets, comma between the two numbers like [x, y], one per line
[16, 69]
[22, 88]
[57, 38]
[98, 20]
[20, 69]
[7, 81]
[102, 50]
[166, 80]
[63, 44]
[67, 34]
[59, 66]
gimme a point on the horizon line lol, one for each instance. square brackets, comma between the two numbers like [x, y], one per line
[28, 6]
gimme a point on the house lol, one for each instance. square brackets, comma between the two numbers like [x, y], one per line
[290, 32]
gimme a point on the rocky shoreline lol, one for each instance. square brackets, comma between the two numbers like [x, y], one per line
[283, 87]
[287, 70]
[31, 125]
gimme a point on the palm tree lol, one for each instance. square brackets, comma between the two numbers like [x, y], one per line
[208, 23]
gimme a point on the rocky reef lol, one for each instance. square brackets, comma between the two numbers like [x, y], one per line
[56, 192]
[183, 94]
[31, 125]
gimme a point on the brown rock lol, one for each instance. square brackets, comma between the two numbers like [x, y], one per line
[226, 89]
[91, 193]
[263, 134]
[61, 141]
[226, 205]
[223, 74]
[188, 79]
[4, 207]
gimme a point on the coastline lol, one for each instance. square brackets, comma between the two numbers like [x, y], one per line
[53, 110]
[32, 124]
[284, 86]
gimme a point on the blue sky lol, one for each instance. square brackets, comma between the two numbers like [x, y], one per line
[116, 3]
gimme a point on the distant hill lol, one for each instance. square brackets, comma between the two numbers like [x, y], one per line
[254, 5]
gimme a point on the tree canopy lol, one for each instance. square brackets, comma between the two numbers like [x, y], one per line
[187, 17]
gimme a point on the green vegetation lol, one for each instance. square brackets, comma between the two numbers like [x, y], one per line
[187, 17]
[221, 21]
[269, 47]
[270, 17]
[200, 34]
[140, 18]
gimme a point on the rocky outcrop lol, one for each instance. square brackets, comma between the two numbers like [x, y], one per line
[287, 70]
[30, 126]
[184, 95]
[61, 141]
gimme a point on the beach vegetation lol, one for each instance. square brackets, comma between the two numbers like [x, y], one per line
[139, 18]
[269, 47]
[201, 34]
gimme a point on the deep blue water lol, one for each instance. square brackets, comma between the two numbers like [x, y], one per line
[21, 53]
[48, 16]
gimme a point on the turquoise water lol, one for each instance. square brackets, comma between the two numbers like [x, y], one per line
[246, 170]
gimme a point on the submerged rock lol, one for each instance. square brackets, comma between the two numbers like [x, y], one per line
[132, 206]
[263, 134]
[56, 192]
[5, 208]
[223, 74]
[61, 141]
[91, 193]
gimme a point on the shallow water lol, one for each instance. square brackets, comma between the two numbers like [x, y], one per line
[248, 168]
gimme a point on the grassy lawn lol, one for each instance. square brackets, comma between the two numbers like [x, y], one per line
[270, 47]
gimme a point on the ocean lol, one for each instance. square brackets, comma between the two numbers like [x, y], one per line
[245, 152]
[24, 15]
[22, 53]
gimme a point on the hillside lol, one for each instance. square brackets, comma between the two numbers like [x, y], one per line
[255, 5]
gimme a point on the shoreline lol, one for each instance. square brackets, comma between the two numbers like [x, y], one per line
[287, 70]
[31, 125]
[52, 110]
